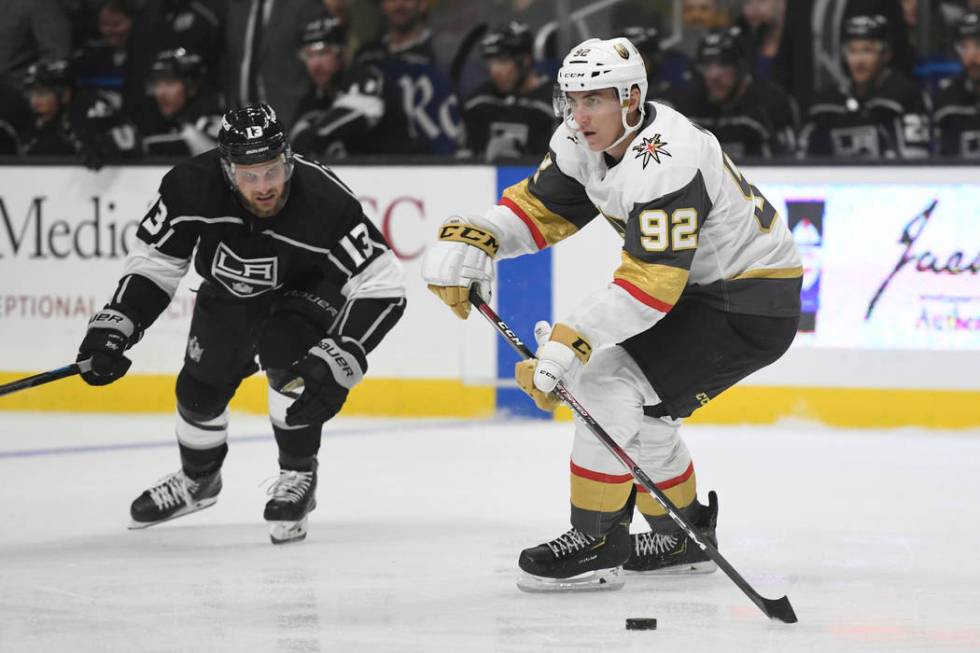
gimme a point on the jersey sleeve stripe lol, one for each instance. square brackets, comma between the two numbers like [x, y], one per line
[539, 240]
[642, 297]
[772, 273]
[551, 226]
[653, 284]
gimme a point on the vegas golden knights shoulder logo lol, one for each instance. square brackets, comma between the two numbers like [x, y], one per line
[651, 148]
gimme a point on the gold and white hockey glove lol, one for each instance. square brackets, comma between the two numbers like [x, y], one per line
[562, 352]
[462, 256]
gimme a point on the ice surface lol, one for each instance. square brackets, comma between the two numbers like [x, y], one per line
[414, 544]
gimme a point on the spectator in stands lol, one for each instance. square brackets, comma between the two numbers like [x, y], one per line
[101, 63]
[260, 48]
[69, 122]
[32, 31]
[750, 117]
[511, 114]
[421, 111]
[957, 105]
[878, 113]
[762, 22]
[343, 106]
[187, 115]
[698, 17]
[15, 117]
[195, 25]
[668, 70]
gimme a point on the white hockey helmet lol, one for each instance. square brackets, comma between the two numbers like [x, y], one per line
[603, 63]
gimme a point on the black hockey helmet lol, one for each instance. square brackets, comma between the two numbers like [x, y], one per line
[646, 38]
[872, 28]
[322, 32]
[723, 46]
[178, 63]
[50, 74]
[967, 27]
[252, 135]
[512, 40]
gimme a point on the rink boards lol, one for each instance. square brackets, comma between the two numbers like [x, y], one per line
[891, 331]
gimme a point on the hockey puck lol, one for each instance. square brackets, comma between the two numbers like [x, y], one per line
[641, 624]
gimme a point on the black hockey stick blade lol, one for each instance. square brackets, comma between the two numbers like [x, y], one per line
[463, 52]
[779, 609]
[46, 377]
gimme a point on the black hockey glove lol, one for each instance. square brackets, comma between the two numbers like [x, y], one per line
[109, 334]
[329, 371]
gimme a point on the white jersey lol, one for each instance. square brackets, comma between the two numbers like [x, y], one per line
[692, 226]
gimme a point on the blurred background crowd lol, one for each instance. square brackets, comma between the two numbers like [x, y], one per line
[110, 81]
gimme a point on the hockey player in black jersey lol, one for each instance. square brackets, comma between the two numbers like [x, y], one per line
[510, 115]
[344, 105]
[750, 117]
[878, 113]
[294, 275]
[71, 121]
[421, 111]
[669, 72]
[185, 117]
[957, 105]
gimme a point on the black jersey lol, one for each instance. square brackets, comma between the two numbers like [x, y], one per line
[760, 121]
[421, 112]
[891, 122]
[334, 123]
[511, 124]
[193, 130]
[320, 235]
[956, 119]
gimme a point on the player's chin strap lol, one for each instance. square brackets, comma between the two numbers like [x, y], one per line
[627, 128]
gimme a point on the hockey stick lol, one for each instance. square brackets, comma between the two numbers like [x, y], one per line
[462, 54]
[46, 377]
[778, 609]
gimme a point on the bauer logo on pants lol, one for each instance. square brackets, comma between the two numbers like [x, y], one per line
[244, 277]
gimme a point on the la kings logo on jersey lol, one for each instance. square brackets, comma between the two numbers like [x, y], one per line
[244, 277]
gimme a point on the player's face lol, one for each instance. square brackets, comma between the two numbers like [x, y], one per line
[262, 185]
[865, 59]
[699, 12]
[44, 104]
[598, 115]
[402, 15]
[322, 63]
[505, 73]
[115, 27]
[170, 95]
[719, 80]
[761, 12]
[969, 51]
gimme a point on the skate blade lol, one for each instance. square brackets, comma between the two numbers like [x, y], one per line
[592, 581]
[284, 532]
[194, 507]
[706, 567]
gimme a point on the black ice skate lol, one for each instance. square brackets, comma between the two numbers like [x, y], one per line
[174, 496]
[575, 561]
[674, 552]
[293, 498]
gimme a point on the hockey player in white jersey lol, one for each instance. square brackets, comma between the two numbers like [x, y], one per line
[707, 292]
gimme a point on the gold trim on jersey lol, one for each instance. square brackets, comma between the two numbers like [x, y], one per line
[552, 226]
[771, 273]
[662, 282]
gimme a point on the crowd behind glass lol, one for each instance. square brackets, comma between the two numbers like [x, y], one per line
[111, 81]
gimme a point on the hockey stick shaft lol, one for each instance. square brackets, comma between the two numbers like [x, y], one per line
[46, 377]
[779, 609]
